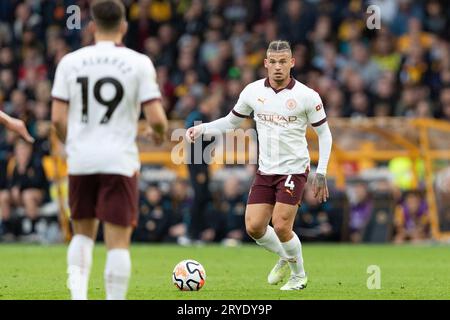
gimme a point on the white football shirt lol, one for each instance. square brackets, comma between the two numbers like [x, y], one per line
[281, 118]
[105, 86]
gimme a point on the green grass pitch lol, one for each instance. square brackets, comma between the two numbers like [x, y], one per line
[334, 272]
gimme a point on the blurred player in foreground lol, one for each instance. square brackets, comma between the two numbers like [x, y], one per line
[98, 94]
[282, 107]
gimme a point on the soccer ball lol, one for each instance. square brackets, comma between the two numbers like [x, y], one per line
[189, 275]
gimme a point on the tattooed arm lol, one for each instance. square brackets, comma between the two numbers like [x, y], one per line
[320, 182]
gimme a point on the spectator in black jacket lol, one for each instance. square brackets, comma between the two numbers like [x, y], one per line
[198, 167]
[154, 215]
[232, 206]
[315, 220]
[28, 185]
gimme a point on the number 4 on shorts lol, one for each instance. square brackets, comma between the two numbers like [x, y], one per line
[289, 183]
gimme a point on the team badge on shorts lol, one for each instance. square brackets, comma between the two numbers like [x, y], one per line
[291, 104]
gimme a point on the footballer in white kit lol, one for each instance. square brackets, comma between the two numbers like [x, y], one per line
[98, 93]
[105, 85]
[282, 108]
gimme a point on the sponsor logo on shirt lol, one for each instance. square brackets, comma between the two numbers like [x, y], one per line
[277, 119]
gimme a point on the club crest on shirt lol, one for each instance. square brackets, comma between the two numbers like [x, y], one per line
[291, 104]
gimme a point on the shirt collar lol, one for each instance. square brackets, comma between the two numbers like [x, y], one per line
[290, 85]
[108, 43]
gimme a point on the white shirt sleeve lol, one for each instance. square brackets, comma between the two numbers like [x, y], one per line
[325, 143]
[231, 121]
[242, 109]
[318, 120]
[315, 111]
[60, 90]
[148, 85]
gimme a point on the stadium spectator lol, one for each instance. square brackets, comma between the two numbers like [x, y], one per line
[154, 215]
[314, 220]
[361, 209]
[295, 20]
[412, 222]
[231, 204]
[181, 205]
[28, 187]
[198, 167]
[6, 151]
[445, 103]
[361, 63]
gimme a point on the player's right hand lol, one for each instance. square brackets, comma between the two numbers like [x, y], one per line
[18, 126]
[193, 133]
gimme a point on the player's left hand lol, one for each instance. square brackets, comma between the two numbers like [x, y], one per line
[19, 127]
[320, 187]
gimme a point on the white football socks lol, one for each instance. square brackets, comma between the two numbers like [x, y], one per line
[293, 249]
[117, 273]
[271, 242]
[79, 261]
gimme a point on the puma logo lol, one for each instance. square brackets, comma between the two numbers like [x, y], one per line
[262, 100]
[290, 192]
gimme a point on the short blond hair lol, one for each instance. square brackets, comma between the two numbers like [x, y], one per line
[279, 45]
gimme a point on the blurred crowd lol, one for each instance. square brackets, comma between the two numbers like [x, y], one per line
[203, 49]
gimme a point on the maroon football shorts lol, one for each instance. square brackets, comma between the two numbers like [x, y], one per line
[111, 198]
[277, 188]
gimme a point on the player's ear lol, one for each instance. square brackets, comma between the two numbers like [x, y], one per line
[292, 62]
[124, 28]
[266, 63]
[92, 27]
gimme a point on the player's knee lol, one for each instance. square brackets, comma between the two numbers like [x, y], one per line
[117, 237]
[283, 230]
[254, 231]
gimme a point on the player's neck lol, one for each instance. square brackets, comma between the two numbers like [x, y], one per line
[277, 85]
[116, 38]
